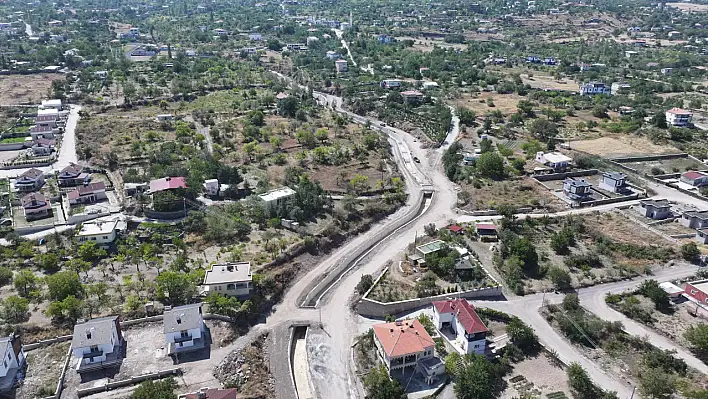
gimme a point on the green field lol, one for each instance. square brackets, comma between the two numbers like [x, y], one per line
[12, 140]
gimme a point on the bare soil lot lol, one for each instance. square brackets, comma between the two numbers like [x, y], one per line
[663, 166]
[427, 45]
[44, 365]
[26, 89]
[621, 146]
[506, 103]
[536, 377]
[521, 192]
[689, 7]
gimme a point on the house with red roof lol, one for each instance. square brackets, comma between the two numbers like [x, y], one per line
[694, 178]
[167, 183]
[459, 317]
[486, 231]
[455, 229]
[88, 194]
[402, 345]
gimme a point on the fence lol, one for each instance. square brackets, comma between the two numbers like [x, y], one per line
[564, 175]
[650, 157]
[128, 381]
[60, 383]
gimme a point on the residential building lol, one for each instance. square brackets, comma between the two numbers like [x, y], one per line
[102, 232]
[584, 67]
[577, 190]
[73, 175]
[594, 88]
[431, 247]
[42, 147]
[333, 55]
[89, 194]
[36, 206]
[402, 344]
[412, 96]
[486, 231]
[13, 360]
[430, 85]
[455, 229]
[274, 199]
[52, 104]
[231, 279]
[385, 39]
[674, 291]
[183, 327]
[340, 66]
[697, 291]
[678, 117]
[614, 182]
[694, 178]
[165, 117]
[167, 183]
[43, 131]
[211, 187]
[30, 180]
[221, 32]
[620, 88]
[255, 37]
[701, 236]
[694, 219]
[97, 344]
[666, 71]
[550, 61]
[630, 53]
[554, 160]
[55, 23]
[655, 209]
[207, 393]
[48, 120]
[390, 83]
[459, 317]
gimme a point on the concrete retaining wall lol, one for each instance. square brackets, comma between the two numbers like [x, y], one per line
[129, 381]
[371, 308]
[564, 175]
[650, 157]
[12, 146]
[164, 215]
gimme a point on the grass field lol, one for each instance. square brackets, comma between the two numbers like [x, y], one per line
[12, 140]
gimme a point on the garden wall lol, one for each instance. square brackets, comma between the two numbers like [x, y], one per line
[564, 175]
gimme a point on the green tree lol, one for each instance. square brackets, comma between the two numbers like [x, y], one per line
[48, 262]
[380, 386]
[490, 165]
[162, 389]
[15, 309]
[5, 276]
[657, 383]
[697, 336]
[64, 284]
[475, 380]
[70, 308]
[560, 277]
[91, 252]
[521, 335]
[571, 303]
[427, 323]
[178, 288]
[223, 305]
[366, 282]
[543, 129]
[690, 251]
[25, 283]
[580, 382]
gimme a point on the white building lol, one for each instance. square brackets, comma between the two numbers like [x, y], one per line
[554, 160]
[593, 88]
[183, 327]
[221, 32]
[613, 181]
[230, 279]
[460, 318]
[340, 65]
[52, 104]
[273, 199]
[619, 88]
[211, 187]
[97, 344]
[678, 117]
[102, 232]
[655, 209]
[13, 360]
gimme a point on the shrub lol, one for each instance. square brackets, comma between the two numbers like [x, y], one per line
[365, 283]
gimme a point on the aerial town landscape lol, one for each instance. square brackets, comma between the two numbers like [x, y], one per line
[309, 199]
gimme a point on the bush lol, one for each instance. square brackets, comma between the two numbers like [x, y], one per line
[651, 290]
[560, 278]
[690, 251]
[5, 276]
[365, 283]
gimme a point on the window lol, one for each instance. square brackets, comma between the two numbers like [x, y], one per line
[94, 348]
[105, 237]
[184, 333]
[693, 292]
[230, 287]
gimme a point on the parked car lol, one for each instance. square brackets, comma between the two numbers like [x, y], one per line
[416, 160]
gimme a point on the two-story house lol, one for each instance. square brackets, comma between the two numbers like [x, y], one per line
[73, 175]
[273, 199]
[230, 279]
[89, 194]
[594, 88]
[102, 232]
[459, 317]
[36, 206]
[401, 345]
[30, 180]
[43, 132]
[678, 117]
[577, 190]
[655, 209]
[13, 360]
[43, 147]
[614, 182]
[97, 344]
[184, 328]
[694, 178]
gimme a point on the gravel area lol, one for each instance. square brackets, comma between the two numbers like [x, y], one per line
[540, 377]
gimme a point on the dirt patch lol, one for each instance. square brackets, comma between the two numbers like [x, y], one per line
[536, 377]
[247, 370]
[523, 192]
[621, 146]
[44, 366]
[506, 103]
[689, 7]
[26, 89]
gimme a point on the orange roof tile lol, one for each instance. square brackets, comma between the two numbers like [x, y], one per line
[403, 338]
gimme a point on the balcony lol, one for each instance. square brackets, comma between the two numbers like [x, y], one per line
[183, 338]
[93, 353]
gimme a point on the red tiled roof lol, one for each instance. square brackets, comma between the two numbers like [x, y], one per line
[73, 169]
[455, 228]
[465, 314]
[167, 183]
[403, 338]
[692, 175]
[216, 394]
[83, 190]
[679, 111]
[35, 201]
[32, 173]
[486, 226]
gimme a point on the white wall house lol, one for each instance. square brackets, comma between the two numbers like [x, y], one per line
[554, 160]
[460, 318]
[402, 345]
[678, 117]
[593, 88]
[273, 199]
[102, 232]
[655, 209]
[183, 328]
[231, 279]
[53, 104]
[13, 359]
[340, 65]
[97, 343]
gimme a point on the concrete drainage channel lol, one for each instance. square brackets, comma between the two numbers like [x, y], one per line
[315, 295]
[298, 362]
